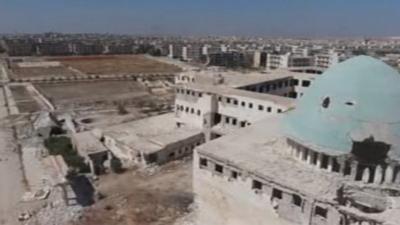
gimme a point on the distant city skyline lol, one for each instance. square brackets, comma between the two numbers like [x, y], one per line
[283, 18]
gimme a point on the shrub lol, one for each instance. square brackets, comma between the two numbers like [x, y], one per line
[116, 165]
[63, 146]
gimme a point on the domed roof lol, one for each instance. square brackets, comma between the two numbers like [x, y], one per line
[352, 101]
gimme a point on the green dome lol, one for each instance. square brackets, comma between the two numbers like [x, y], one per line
[352, 101]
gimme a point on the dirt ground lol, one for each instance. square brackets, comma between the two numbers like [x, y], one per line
[103, 94]
[122, 64]
[33, 72]
[11, 186]
[79, 90]
[24, 99]
[140, 198]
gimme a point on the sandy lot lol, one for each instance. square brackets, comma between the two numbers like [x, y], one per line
[102, 94]
[122, 64]
[137, 198]
[11, 185]
[35, 72]
[72, 91]
[24, 99]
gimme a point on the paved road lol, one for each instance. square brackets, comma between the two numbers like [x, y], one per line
[11, 185]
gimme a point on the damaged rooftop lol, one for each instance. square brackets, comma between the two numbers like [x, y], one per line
[355, 101]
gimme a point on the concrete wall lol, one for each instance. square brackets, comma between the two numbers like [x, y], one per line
[222, 198]
[127, 156]
[239, 108]
[281, 87]
[178, 149]
[224, 201]
[192, 104]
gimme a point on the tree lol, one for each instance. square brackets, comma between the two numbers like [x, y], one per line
[63, 146]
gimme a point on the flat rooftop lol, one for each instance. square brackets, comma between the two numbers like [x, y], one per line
[88, 143]
[151, 134]
[240, 79]
[232, 92]
[258, 149]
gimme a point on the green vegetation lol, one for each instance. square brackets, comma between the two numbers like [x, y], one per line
[116, 165]
[62, 146]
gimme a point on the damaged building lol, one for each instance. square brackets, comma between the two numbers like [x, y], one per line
[154, 140]
[333, 160]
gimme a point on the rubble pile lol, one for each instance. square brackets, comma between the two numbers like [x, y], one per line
[56, 212]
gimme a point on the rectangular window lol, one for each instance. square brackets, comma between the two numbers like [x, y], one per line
[235, 102]
[243, 104]
[279, 110]
[305, 83]
[295, 82]
[296, 200]
[257, 185]
[269, 109]
[234, 174]
[200, 95]
[228, 100]
[219, 168]
[234, 121]
[198, 112]
[250, 105]
[203, 162]
[260, 107]
[322, 212]
[276, 193]
[242, 124]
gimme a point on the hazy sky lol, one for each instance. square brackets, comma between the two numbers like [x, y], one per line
[313, 18]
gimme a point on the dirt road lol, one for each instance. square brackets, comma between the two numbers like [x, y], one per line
[11, 185]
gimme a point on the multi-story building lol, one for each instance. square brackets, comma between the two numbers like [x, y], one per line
[327, 60]
[88, 48]
[54, 48]
[332, 160]
[222, 101]
[19, 47]
[192, 52]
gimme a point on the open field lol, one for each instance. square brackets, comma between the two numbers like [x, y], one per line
[24, 99]
[36, 72]
[81, 90]
[121, 64]
[135, 198]
[101, 93]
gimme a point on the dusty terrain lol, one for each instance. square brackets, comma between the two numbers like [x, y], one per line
[24, 99]
[102, 93]
[140, 198]
[32, 72]
[116, 64]
[11, 186]
[79, 90]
